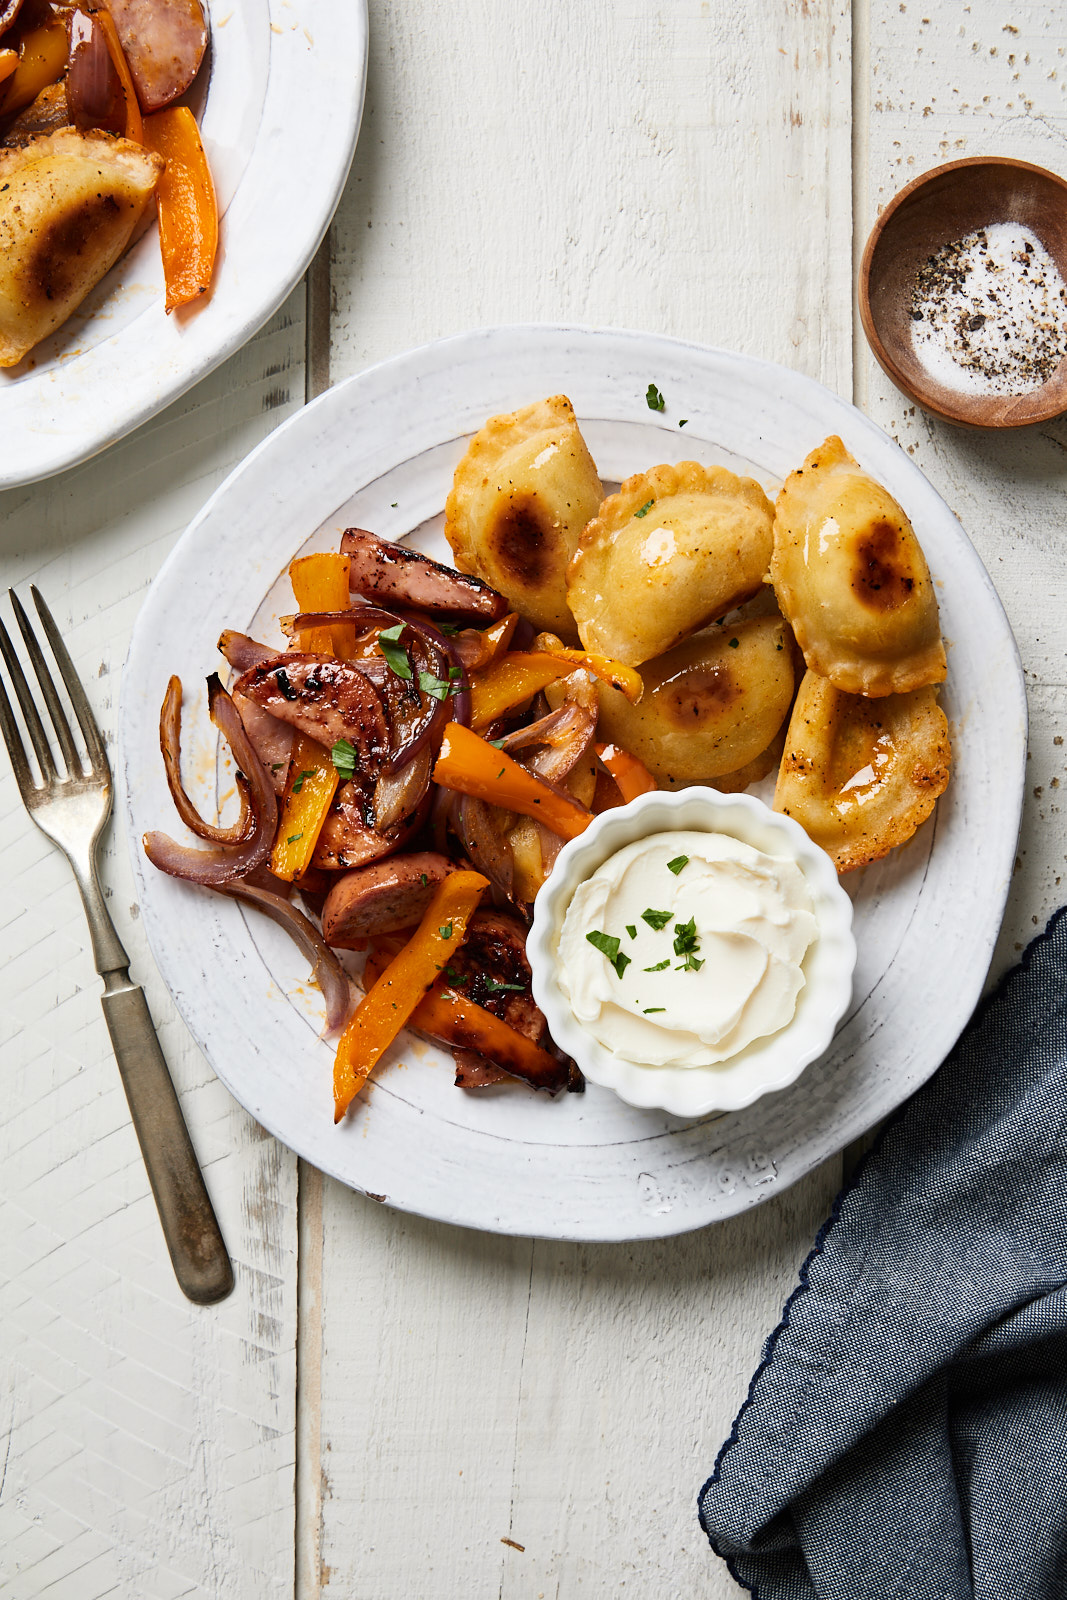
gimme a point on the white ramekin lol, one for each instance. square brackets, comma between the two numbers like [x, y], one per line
[765, 1064]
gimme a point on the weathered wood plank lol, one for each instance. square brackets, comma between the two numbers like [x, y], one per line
[686, 169]
[149, 1444]
[987, 80]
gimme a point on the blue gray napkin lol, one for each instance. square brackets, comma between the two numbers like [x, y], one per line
[905, 1437]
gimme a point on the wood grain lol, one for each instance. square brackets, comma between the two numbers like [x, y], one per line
[944, 84]
[683, 169]
[149, 1443]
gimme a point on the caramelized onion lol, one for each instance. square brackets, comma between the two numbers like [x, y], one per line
[397, 794]
[218, 868]
[170, 722]
[566, 735]
[242, 652]
[94, 91]
[487, 847]
[327, 971]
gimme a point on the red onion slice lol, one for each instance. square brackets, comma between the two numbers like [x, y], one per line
[95, 96]
[327, 971]
[170, 724]
[567, 734]
[243, 652]
[397, 794]
[218, 868]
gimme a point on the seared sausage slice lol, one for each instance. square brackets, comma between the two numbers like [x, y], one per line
[492, 964]
[164, 42]
[346, 839]
[387, 573]
[382, 897]
[325, 698]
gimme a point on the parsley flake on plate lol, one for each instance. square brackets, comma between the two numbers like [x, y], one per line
[654, 400]
[677, 864]
[657, 919]
[645, 509]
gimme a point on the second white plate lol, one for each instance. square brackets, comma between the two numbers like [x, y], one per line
[379, 452]
[279, 105]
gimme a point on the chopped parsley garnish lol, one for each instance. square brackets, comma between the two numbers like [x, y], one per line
[645, 509]
[276, 766]
[450, 627]
[649, 1010]
[659, 967]
[293, 837]
[608, 946]
[393, 650]
[683, 421]
[677, 864]
[281, 678]
[345, 757]
[734, 643]
[631, 930]
[654, 400]
[423, 879]
[656, 919]
[686, 944]
[445, 930]
[436, 686]
[457, 977]
[308, 772]
[393, 504]
[492, 987]
[497, 744]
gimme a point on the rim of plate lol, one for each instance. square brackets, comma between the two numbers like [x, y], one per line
[78, 402]
[672, 1176]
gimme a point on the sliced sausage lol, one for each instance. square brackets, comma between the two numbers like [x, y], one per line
[164, 42]
[382, 897]
[347, 840]
[325, 698]
[387, 573]
[492, 970]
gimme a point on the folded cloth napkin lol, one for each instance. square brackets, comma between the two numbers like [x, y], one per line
[906, 1433]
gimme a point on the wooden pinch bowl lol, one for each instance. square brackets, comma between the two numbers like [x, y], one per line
[934, 210]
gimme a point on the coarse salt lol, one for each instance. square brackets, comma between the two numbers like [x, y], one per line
[989, 312]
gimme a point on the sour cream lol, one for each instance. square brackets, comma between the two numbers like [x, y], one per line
[683, 948]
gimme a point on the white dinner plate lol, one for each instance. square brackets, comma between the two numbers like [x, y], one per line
[379, 452]
[279, 102]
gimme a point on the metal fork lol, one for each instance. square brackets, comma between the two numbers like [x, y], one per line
[71, 810]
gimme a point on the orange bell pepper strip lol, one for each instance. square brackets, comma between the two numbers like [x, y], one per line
[471, 765]
[388, 1004]
[631, 775]
[625, 679]
[309, 790]
[134, 120]
[9, 60]
[515, 677]
[188, 213]
[320, 583]
[453, 1019]
[41, 60]
[510, 680]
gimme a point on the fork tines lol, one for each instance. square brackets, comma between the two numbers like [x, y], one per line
[35, 727]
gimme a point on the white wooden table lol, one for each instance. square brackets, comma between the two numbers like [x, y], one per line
[387, 1407]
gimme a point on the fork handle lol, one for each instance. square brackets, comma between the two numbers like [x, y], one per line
[190, 1226]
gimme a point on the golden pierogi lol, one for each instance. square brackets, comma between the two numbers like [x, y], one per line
[520, 498]
[852, 579]
[711, 707]
[69, 203]
[676, 548]
[861, 774]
